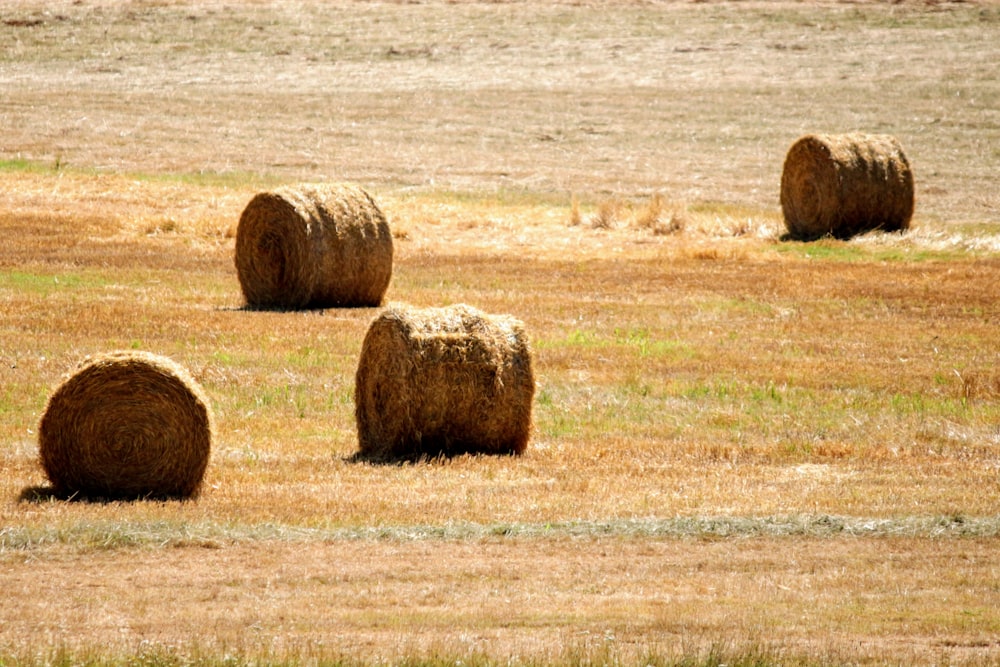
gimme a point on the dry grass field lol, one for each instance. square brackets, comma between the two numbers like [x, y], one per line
[747, 451]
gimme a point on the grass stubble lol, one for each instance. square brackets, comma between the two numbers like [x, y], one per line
[746, 451]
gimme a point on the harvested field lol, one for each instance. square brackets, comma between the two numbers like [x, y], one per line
[745, 451]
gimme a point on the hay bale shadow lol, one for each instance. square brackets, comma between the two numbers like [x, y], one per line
[317, 310]
[48, 494]
[791, 237]
[424, 458]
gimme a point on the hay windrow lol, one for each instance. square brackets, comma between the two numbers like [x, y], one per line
[844, 185]
[443, 381]
[126, 425]
[313, 246]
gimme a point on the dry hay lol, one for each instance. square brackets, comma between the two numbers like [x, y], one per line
[126, 425]
[313, 246]
[844, 185]
[442, 382]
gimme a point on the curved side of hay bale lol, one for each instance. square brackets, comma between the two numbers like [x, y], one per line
[313, 246]
[126, 425]
[443, 381]
[844, 185]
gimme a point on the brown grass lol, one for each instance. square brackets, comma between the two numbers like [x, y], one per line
[695, 377]
[313, 246]
[697, 392]
[575, 218]
[857, 600]
[126, 425]
[443, 381]
[845, 185]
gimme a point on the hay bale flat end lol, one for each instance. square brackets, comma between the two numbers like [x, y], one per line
[841, 185]
[126, 425]
[313, 246]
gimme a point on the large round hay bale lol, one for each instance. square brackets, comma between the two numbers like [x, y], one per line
[126, 425]
[313, 246]
[846, 184]
[442, 382]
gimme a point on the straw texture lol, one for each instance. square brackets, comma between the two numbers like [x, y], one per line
[844, 185]
[442, 382]
[313, 246]
[126, 425]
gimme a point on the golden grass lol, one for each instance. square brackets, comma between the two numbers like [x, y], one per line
[693, 386]
[739, 442]
[857, 601]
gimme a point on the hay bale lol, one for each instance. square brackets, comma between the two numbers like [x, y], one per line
[442, 382]
[126, 425]
[313, 246]
[843, 185]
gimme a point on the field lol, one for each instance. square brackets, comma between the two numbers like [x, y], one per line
[746, 450]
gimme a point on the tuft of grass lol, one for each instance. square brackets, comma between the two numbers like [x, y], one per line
[575, 219]
[600, 653]
[608, 215]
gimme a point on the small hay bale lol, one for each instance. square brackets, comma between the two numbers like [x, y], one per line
[126, 425]
[844, 185]
[443, 382]
[313, 246]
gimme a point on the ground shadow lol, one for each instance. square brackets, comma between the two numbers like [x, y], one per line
[422, 458]
[247, 308]
[44, 494]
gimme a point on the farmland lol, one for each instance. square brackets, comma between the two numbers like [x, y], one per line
[746, 450]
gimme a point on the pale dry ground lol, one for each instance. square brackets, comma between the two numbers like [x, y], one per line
[883, 600]
[699, 101]
[739, 442]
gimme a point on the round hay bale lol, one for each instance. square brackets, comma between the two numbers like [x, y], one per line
[313, 246]
[846, 184]
[443, 382]
[126, 425]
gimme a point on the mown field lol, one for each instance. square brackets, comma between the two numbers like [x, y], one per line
[747, 451]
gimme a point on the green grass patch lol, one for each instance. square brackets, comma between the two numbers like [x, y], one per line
[642, 342]
[21, 165]
[235, 179]
[832, 250]
[42, 284]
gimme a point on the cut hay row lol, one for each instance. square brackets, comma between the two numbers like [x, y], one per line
[443, 381]
[126, 425]
[313, 246]
[844, 185]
